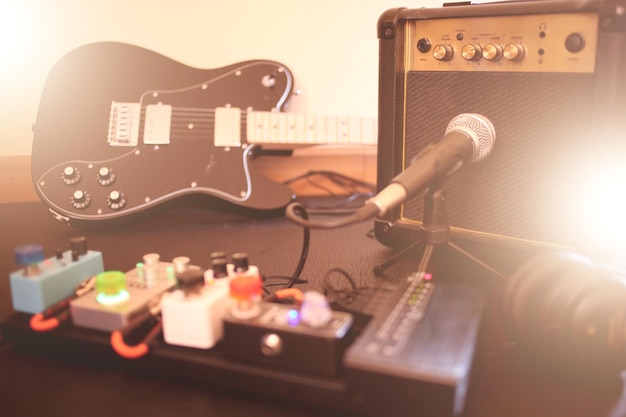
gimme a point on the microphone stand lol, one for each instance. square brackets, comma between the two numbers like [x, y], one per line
[434, 231]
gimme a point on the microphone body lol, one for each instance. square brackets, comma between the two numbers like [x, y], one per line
[468, 138]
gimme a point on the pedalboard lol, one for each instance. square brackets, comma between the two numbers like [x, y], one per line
[412, 356]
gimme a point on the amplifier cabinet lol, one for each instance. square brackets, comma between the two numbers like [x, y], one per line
[549, 75]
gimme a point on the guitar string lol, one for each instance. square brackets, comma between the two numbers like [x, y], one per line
[200, 112]
[195, 123]
[199, 123]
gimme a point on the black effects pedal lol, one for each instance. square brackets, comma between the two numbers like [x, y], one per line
[416, 355]
[282, 336]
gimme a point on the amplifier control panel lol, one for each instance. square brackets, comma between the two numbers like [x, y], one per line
[564, 42]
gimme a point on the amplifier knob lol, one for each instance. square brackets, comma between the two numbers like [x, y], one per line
[116, 200]
[514, 52]
[575, 43]
[471, 52]
[492, 52]
[443, 52]
[80, 199]
[106, 176]
[71, 175]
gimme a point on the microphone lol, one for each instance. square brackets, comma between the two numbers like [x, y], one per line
[468, 138]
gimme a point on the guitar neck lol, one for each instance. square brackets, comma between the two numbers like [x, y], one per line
[232, 127]
[291, 129]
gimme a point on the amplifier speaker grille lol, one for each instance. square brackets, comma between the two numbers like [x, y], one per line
[541, 122]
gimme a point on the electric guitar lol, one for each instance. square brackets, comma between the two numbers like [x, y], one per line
[121, 129]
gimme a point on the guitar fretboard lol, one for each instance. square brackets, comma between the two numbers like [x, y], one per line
[299, 129]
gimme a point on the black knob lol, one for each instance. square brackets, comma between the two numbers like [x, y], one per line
[220, 268]
[574, 43]
[79, 244]
[191, 280]
[240, 262]
[218, 255]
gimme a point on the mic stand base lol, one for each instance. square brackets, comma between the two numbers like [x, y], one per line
[433, 232]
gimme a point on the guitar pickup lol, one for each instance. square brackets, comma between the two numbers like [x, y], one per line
[227, 127]
[158, 124]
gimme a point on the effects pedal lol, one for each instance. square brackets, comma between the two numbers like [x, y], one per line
[307, 339]
[119, 296]
[42, 282]
[417, 352]
[192, 315]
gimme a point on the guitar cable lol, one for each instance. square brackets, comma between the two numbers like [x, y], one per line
[365, 212]
[304, 253]
[347, 183]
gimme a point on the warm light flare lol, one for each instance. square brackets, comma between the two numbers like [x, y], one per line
[604, 208]
[17, 33]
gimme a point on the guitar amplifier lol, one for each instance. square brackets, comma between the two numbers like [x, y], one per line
[549, 75]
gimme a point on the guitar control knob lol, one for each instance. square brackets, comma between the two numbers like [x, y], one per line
[116, 200]
[81, 199]
[443, 52]
[514, 52]
[71, 175]
[106, 176]
[471, 52]
[492, 52]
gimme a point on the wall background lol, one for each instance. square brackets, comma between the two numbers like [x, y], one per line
[330, 45]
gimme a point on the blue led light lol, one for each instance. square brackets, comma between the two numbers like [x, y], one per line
[293, 317]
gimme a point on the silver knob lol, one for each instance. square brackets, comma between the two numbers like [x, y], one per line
[443, 52]
[492, 52]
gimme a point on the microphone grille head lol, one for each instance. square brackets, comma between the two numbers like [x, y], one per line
[479, 129]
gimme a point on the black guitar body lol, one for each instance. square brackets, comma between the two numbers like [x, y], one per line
[83, 175]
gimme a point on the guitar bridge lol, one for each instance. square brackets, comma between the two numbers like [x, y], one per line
[124, 120]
